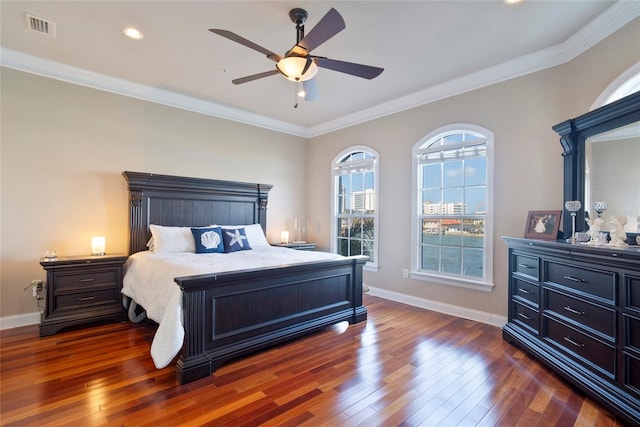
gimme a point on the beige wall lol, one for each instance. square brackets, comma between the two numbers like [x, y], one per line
[528, 162]
[64, 148]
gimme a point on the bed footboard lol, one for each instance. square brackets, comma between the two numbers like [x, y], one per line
[232, 314]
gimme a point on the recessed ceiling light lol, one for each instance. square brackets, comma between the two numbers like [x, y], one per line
[133, 33]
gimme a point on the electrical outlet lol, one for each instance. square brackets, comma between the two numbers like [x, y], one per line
[405, 273]
[36, 286]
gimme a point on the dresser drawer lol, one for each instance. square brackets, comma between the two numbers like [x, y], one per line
[631, 292]
[595, 353]
[527, 317]
[632, 374]
[526, 265]
[584, 314]
[632, 332]
[86, 299]
[526, 291]
[82, 279]
[595, 283]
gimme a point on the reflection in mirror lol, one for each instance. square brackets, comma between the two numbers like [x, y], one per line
[612, 174]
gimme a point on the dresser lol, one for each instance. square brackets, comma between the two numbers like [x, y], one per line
[82, 290]
[577, 309]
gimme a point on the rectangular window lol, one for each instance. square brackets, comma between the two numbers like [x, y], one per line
[452, 173]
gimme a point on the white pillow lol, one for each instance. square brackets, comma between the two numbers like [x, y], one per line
[172, 239]
[254, 233]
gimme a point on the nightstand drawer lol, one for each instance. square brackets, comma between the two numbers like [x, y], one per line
[86, 299]
[75, 280]
[602, 320]
[590, 350]
[596, 283]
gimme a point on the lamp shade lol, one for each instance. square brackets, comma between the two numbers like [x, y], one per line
[98, 245]
[293, 66]
[284, 237]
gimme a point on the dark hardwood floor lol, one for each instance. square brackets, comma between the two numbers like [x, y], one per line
[403, 367]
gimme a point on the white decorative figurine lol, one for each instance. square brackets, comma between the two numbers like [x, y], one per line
[616, 231]
[595, 225]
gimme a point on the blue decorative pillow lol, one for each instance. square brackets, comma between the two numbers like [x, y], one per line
[235, 239]
[208, 240]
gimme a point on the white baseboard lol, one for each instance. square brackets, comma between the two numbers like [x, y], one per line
[10, 322]
[440, 307]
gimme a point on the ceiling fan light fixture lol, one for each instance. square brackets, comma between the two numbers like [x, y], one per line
[292, 68]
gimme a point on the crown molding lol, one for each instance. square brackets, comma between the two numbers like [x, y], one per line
[607, 23]
[611, 20]
[43, 67]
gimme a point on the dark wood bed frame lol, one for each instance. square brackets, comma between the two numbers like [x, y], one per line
[233, 314]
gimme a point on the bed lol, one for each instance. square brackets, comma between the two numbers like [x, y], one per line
[226, 315]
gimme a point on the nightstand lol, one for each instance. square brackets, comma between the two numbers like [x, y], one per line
[297, 246]
[82, 289]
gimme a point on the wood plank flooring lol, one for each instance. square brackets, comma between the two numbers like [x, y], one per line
[404, 367]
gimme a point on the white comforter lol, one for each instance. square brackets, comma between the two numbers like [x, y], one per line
[149, 281]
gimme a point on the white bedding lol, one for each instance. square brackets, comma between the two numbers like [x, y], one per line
[149, 281]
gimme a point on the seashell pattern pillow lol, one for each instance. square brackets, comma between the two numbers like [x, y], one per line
[208, 240]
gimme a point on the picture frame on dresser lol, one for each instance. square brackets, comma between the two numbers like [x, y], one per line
[542, 225]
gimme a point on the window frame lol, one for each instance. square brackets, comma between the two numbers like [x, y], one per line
[372, 264]
[486, 283]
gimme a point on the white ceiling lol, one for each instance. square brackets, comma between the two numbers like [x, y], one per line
[429, 50]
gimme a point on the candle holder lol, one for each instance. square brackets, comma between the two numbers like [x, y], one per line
[600, 207]
[573, 206]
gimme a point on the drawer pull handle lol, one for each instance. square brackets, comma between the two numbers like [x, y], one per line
[525, 291]
[576, 343]
[575, 279]
[574, 311]
[90, 279]
[86, 298]
[524, 316]
[525, 266]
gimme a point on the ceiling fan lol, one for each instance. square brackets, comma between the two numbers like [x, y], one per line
[298, 64]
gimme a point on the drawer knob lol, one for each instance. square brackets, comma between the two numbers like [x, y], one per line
[524, 316]
[574, 279]
[574, 342]
[89, 279]
[574, 311]
[86, 298]
[525, 291]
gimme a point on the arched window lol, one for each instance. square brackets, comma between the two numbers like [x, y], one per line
[355, 204]
[452, 227]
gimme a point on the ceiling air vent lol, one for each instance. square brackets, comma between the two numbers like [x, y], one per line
[41, 26]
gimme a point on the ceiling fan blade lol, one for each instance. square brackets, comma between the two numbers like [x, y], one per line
[251, 45]
[358, 70]
[330, 25]
[254, 77]
[310, 90]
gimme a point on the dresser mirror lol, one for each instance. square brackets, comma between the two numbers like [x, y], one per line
[602, 162]
[612, 173]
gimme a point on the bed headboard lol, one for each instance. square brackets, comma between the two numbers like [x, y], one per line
[180, 201]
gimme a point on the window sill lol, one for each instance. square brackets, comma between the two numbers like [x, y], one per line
[371, 267]
[450, 281]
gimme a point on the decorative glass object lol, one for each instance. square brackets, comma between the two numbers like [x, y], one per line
[573, 206]
[300, 230]
[599, 207]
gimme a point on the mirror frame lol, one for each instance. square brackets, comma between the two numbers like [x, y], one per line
[573, 134]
